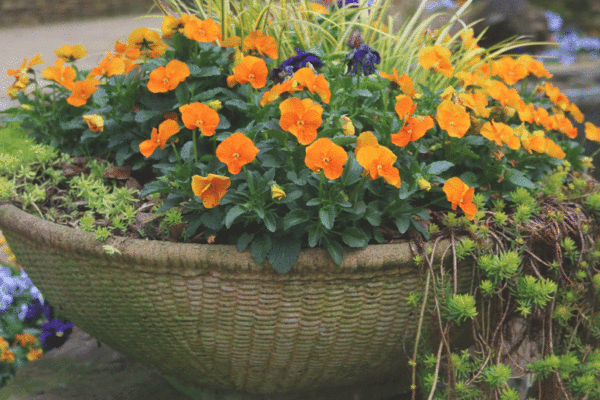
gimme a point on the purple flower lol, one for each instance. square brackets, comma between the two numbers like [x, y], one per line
[293, 64]
[554, 21]
[7, 283]
[55, 333]
[5, 301]
[342, 3]
[433, 6]
[34, 311]
[363, 60]
[590, 43]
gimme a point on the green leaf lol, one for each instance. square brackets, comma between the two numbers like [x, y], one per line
[436, 168]
[187, 152]
[144, 115]
[419, 227]
[270, 221]
[402, 223]
[373, 216]
[284, 252]
[232, 214]
[154, 187]
[213, 218]
[336, 251]
[244, 240]
[355, 237]
[469, 179]
[327, 216]
[406, 190]
[242, 105]
[313, 202]
[314, 235]
[361, 93]
[260, 247]
[518, 178]
[294, 218]
[205, 71]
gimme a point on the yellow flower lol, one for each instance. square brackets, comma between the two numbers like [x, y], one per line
[95, 122]
[347, 126]
[34, 354]
[69, 53]
[438, 58]
[423, 184]
[26, 107]
[277, 192]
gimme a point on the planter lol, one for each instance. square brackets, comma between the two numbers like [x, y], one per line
[220, 326]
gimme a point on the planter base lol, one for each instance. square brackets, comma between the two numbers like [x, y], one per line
[392, 390]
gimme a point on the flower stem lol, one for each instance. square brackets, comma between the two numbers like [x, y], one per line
[176, 154]
[194, 141]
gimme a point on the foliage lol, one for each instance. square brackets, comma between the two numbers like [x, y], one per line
[357, 137]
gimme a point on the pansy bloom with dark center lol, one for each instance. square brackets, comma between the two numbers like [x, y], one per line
[55, 333]
[293, 64]
[363, 60]
[35, 309]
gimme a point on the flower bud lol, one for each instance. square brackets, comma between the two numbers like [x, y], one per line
[215, 105]
[423, 184]
[277, 192]
[586, 162]
[347, 126]
[26, 107]
[95, 122]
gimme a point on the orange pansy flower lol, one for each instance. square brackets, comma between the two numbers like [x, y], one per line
[533, 66]
[147, 42]
[253, 70]
[379, 161]
[315, 84]
[554, 150]
[403, 82]
[404, 106]
[301, 118]
[24, 339]
[526, 112]
[475, 78]
[500, 133]
[509, 70]
[124, 50]
[276, 91]
[235, 151]
[210, 189]
[205, 31]
[166, 78]
[325, 155]
[69, 53]
[535, 141]
[540, 116]
[171, 26]
[264, 45]
[34, 354]
[436, 57]
[575, 113]
[233, 42]
[37, 59]
[198, 115]
[111, 65]
[476, 102]
[461, 195]
[365, 139]
[63, 75]
[453, 118]
[565, 126]
[592, 132]
[81, 91]
[159, 137]
[415, 128]
[500, 92]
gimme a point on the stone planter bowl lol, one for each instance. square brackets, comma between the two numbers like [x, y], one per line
[219, 326]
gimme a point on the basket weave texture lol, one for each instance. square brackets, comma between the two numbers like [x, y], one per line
[207, 315]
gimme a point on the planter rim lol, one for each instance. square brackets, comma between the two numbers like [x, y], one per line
[192, 259]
